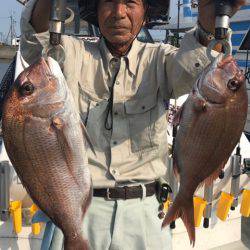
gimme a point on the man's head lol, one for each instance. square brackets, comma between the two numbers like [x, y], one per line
[121, 20]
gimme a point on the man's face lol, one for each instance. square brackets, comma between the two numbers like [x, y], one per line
[120, 20]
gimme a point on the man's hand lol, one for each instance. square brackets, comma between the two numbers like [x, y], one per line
[207, 12]
[40, 15]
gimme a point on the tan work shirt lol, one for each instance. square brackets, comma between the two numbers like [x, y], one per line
[135, 150]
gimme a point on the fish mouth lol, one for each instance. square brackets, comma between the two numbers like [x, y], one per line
[230, 67]
[54, 67]
[235, 75]
[223, 61]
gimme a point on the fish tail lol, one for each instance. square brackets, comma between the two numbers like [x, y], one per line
[77, 244]
[183, 208]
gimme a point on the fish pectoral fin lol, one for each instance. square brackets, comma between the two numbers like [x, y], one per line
[58, 126]
[199, 102]
[86, 135]
[58, 122]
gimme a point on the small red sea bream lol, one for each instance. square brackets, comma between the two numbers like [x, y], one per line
[210, 125]
[46, 143]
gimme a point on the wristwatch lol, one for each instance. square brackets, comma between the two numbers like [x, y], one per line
[203, 35]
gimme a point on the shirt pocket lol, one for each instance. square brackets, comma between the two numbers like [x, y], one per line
[138, 113]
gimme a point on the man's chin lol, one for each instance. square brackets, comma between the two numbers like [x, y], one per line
[119, 39]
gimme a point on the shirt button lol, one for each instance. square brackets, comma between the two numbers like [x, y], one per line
[197, 65]
[115, 113]
[114, 172]
[143, 107]
[115, 142]
[112, 64]
[117, 83]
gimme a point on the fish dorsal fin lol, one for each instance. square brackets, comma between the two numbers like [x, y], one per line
[86, 135]
[199, 102]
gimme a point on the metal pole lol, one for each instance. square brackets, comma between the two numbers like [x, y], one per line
[178, 23]
[247, 69]
[7, 37]
[247, 61]
[11, 29]
[4, 190]
[236, 172]
[208, 196]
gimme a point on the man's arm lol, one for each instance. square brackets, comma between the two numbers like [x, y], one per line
[34, 25]
[184, 65]
[206, 17]
[35, 35]
[40, 16]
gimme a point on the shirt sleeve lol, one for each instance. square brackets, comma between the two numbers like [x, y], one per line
[182, 66]
[32, 44]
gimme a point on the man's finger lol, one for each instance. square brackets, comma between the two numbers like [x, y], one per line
[237, 4]
[204, 2]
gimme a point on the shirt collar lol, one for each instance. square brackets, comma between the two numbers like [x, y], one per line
[105, 53]
[131, 57]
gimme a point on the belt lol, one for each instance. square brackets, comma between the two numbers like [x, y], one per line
[127, 192]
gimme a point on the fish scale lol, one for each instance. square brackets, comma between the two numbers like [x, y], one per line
[211, 122]
[54, 156]
[46, 143]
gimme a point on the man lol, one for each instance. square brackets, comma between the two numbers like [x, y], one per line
[120, 86]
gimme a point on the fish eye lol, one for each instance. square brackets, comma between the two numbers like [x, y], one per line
[233, 84]
[26, 89]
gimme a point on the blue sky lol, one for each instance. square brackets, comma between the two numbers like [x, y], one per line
[8, 6]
